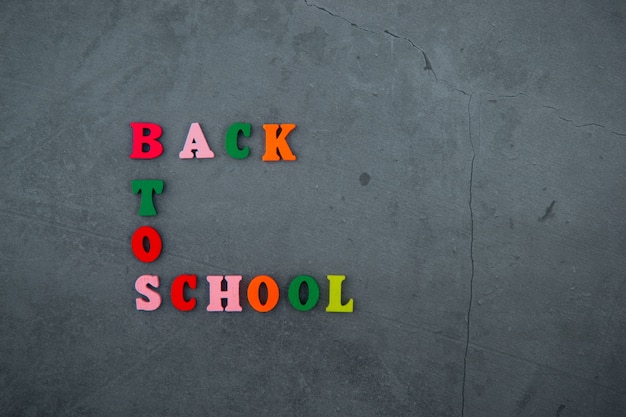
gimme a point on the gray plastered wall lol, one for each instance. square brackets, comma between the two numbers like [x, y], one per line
[461, 163]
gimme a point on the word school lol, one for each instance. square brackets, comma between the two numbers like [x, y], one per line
[147, 245]
[231, 293]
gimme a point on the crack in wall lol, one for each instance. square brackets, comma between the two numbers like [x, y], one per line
[427, 64]
[339, 17]
[557, 111]
[471, 289]
[581, 125]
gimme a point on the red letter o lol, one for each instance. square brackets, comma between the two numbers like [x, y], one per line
[154, 243]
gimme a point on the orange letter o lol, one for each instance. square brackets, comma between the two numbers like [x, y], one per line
[272, 293]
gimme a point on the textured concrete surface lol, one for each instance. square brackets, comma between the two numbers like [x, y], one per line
[461, 163]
